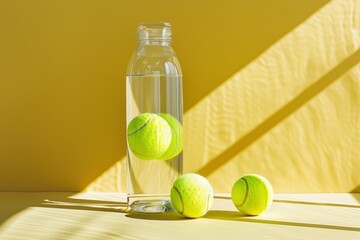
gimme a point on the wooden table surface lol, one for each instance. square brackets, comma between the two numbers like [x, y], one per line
[61, 215]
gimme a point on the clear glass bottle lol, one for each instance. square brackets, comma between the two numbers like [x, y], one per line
[153, 85]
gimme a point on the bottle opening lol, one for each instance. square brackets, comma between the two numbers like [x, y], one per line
[154, 32]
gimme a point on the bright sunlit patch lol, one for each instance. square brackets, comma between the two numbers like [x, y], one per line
[112, 180]
[315, 143]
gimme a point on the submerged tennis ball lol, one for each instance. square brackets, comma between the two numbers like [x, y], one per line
[176, 145]
[149, 136]
[192, 195]
[252, 194]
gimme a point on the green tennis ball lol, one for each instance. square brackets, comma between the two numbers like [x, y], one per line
[176, 145]
[149, 136]
[192, 195]
[252, 194]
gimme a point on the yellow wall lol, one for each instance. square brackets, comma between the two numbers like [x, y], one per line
[270, 87]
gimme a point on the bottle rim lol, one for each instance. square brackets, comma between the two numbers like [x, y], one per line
[154, 31]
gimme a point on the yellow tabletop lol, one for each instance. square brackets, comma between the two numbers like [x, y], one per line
[61, 215]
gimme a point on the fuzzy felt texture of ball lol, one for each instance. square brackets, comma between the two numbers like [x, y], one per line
[176, 145]
[149, 136]
[192, 195]
[252, 194]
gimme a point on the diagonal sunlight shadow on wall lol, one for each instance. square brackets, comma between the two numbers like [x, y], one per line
[356, 190]
[112, 180]
[313, 144]
[289, 74]
[253, 41]
[356, 193]
[280, 115]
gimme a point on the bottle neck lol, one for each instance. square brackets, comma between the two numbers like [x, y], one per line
[154, 48]
[154, 42]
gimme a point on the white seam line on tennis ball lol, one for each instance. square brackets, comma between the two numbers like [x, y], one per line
[182, 204]
[246, 193]
[144, 125]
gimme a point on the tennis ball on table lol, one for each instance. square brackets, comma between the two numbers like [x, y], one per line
[176, 145]
[192, 195]
[149, 136]
[252, 194]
